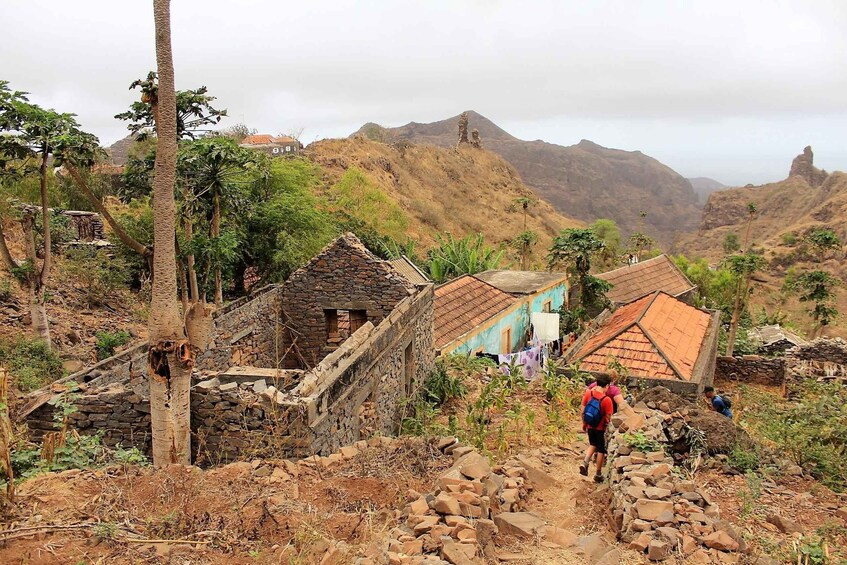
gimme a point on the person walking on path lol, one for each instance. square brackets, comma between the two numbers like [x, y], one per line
[717, 403]
[597, 409]
[614, 392]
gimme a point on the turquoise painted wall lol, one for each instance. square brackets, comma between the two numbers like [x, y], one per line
[518, 319]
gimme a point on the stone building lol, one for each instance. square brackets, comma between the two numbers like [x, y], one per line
[305, 367]
[279, 146]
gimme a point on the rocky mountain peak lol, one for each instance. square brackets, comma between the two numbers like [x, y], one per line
[803, 166]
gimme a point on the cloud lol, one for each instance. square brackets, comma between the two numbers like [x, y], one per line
[698, 72]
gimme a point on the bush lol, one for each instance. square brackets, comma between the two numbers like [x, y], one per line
[30, 363]
[96, 272]
[107, 342]
[442, 387]
[789, 238]
[811, 429]
[743, 460]
[5, 290]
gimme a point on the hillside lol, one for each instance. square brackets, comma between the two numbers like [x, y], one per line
[586, 181]
[442, 190]
[786, 212]
[704, 186]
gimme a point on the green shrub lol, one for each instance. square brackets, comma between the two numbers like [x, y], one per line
[97, 273]
[30, 363]
[107, 342]
[743, 460]
[789, 238]
[441, 387]
[79, 452]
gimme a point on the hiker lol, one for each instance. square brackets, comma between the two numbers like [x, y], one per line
[613, 391]
[597, 409]
[717, 403]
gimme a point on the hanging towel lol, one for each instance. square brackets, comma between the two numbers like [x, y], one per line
[531, 361]
[546, 326]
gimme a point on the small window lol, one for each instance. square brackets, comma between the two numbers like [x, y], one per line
[506, 341]
[288, 149]
[547, 306]
[358, 318]
[275, 150]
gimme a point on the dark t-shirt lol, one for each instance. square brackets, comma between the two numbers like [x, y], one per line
[720, 406]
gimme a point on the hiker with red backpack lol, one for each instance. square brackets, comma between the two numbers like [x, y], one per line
[597, 409]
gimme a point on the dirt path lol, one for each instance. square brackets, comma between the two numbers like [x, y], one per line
[576, 504]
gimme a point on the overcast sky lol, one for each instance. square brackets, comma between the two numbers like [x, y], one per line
[727, 89]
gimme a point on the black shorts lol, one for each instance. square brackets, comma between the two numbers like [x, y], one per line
[597, 438]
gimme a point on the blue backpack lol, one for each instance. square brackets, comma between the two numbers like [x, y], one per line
[591, 414]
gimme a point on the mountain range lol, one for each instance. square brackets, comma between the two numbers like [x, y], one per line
[585, 181]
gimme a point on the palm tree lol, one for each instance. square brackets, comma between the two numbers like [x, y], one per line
[170, 357]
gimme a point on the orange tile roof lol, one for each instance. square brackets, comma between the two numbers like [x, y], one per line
[258, 139]
[634, 281]
[656, 336]
[283, 139]
[463, 304]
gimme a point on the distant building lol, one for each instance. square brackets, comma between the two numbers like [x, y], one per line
[639, 279]
[274, 146]
[490, 312]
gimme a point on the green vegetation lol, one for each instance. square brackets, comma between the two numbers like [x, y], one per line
[107, 342]
[455, 257]
[573, 249]
[731, 243]
[640, 442]
[30, 362]
[98, 273]
[822, 240]
[817, 287]
[810, 429]
[356, 196]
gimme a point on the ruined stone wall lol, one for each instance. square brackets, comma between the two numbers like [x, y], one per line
[654, 509]
[354, 395]
[245, 333]
[344, 276]
[751, 369]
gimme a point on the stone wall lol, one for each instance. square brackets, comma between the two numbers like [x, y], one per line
[751, 369]
[246, 413]
[344, 276]
[654, 509]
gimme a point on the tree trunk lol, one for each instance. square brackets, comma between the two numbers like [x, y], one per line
[45, 228]
[38, 312]
[188, 228]
[170, 357]
[216, 233]
[125, 238]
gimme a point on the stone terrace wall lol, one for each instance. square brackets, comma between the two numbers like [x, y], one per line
[751, 369]
[654, 510]
[344, 276]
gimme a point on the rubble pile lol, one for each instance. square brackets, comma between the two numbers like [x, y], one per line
[471, 504]
[654, 509]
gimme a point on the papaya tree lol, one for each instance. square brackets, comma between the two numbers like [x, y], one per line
[742, 266]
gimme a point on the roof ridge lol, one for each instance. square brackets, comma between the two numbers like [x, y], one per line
[615, 334]
[650, 302]
[661, 351]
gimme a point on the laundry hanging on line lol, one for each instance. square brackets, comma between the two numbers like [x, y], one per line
[531, 361]
[545, 327]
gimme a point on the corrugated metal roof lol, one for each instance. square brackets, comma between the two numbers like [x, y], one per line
[463, 304]
[409, 270]
[635, 281]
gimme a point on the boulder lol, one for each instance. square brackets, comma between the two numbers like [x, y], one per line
[520, 524]
[649, 510]
[785, 525]
[721, 541]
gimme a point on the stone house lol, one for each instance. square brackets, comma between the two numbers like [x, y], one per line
[658, 339]
[279, 146]
[301, 368]
[490, 312]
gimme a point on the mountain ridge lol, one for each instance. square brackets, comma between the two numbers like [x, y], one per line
[586, 181]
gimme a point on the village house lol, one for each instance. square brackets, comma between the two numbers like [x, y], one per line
[311, 365]
[275, 146]
[490, 312]
[636, 280]
[656, 340]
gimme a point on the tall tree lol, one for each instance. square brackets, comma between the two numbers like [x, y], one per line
[34, 136]
[574, 248]
[751, 213]
[170, 357]
[217, 172]
[742, 267]
[607, 230]
[822, 240]
[524, 241]
[817, 287]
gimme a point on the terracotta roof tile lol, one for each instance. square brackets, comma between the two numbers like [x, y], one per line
[657, 336]
[257, 139]
[463, 304]
[634, 281]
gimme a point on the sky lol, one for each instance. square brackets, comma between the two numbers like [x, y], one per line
[731, 90]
